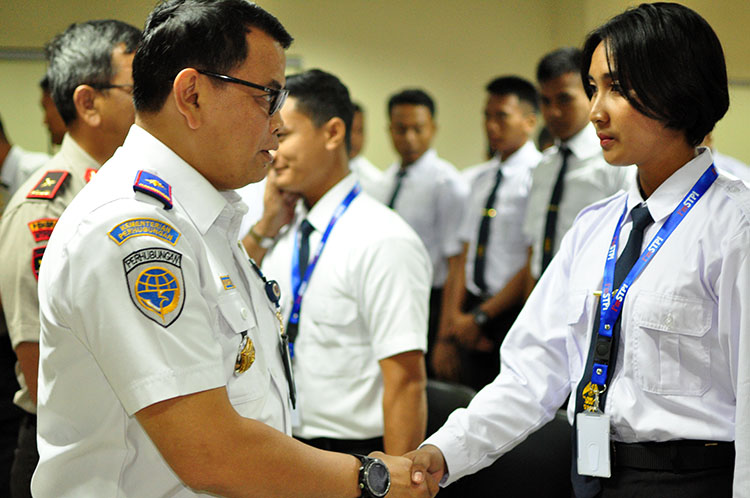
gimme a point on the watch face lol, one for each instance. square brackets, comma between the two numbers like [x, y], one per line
[378, 478]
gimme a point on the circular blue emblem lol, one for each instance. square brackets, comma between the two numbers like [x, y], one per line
[157, 290]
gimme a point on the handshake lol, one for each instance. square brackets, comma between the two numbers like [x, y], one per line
[417, 473]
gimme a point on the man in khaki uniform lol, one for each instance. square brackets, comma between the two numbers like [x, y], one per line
[91, 83]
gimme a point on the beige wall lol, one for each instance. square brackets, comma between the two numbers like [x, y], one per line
[377, 47]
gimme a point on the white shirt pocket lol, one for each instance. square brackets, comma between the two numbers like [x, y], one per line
[671, 352]
[252, 384]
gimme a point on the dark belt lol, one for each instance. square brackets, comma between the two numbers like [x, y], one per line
[681, 455]
[345, 445]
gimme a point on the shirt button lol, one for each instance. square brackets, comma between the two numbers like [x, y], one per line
[243, 312]
[668, 320]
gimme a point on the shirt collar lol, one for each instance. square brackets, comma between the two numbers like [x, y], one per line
[523, 157]
[428, 156]
[78, 159]
[665, 198]
[584, 144]
[200, 200]
[322, 212]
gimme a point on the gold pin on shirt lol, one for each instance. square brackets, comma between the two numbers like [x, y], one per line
[245, 356]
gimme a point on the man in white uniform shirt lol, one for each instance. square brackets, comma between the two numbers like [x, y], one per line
[16, 165]
[425, 190]
[367, 173]
[359, 328]
[557, 196]
[484, 295]
[163, 368]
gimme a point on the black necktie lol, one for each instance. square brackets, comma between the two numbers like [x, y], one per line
[550, 226]
[587, 486]
[399, 177]
[305, 229]
[484, 234]
[303, 256]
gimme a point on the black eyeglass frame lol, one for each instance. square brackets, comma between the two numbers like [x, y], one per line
[109, 86]
[278, 95]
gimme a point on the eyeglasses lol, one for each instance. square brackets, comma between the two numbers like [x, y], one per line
[276, 96]
[107, 86]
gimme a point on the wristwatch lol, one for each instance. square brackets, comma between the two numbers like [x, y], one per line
[480, 317]
[374, 477]
[262, 241]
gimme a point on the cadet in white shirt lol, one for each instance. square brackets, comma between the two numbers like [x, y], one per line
[484, 292]
[648, 346]
[16, 165]
[425, 190]
[162, 367]
[557, 195]
[367, 173]
[359, 328]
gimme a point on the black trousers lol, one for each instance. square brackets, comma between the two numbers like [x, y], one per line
[637, 483]
[479, 368]
[358, 446]
[25, 459]
[436, 299]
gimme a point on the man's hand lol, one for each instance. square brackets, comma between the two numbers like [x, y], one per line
[428, 459]
[407, 479]
[278, 207]
[469, 334]
[445, 361]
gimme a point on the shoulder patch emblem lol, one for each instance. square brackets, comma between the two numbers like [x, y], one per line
[36, 260]
[154, 186]
[49, 185]
[41, 229]
[144, 226]
[226, 282]
[156, 284]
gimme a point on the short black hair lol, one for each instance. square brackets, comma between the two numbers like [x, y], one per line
[557, 63]
[322, 96]
[82, 55]
[412, 96]
[668, 62]
[204, 34]
[357, 107]
[515, 85]
[44, 83]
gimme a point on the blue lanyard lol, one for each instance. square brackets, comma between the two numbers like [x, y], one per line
[611, 305]
[299, 285]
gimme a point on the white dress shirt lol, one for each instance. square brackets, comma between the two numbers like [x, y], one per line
[677, 365]
[431, 199]
[731, 165]
[366, 301]
[588, 178]
[19, 164]
[107, 351]
[507, 246]
[367, 173]
[252, 196]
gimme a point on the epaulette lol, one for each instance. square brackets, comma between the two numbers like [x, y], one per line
[154, 186]
[49, 185]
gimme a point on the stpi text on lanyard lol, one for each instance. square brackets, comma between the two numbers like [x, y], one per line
[592, 424]
[300, 282]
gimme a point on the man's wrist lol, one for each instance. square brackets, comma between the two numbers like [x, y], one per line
[481, 318]
[263, 241]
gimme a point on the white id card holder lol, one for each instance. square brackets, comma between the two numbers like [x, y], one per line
[593, 444]
[297, 412]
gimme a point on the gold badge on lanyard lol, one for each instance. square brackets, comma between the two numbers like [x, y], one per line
[245, 356]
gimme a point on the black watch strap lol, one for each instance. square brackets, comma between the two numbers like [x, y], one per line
[374, 477]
